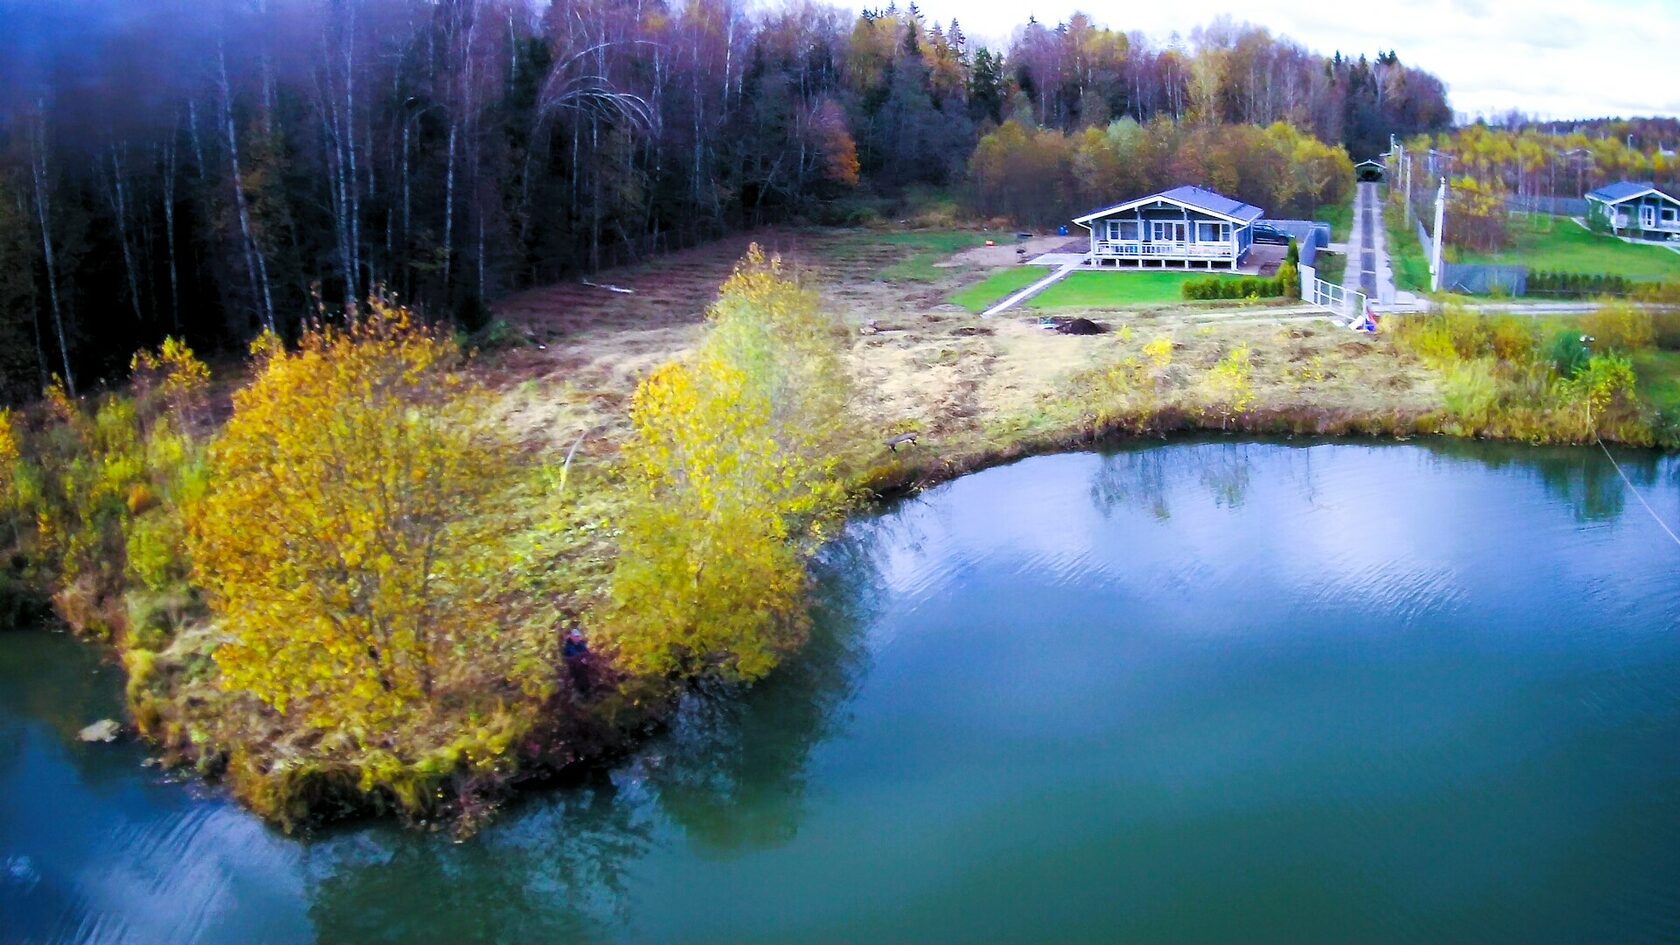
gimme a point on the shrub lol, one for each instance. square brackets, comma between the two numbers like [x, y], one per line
[1576, 285]
[1229, 384]
[1567, 352]
[1605, 383]
[1470, 389]
[1247, 287]
[1514, 339]
[1453, 334]
[1619, 326]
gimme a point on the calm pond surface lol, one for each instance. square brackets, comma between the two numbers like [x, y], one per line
[1209, 692]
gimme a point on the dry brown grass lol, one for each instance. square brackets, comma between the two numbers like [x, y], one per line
[976, 390]
[968, 385]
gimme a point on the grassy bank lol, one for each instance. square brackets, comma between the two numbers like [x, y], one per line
[1340, 218]
[1558, 244]
[1411, 266]
[917, 252]
[569, 371]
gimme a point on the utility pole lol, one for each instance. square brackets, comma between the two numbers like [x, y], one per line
[1435, 247]
[1403, 166]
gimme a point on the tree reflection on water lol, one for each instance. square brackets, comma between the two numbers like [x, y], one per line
[730, 775]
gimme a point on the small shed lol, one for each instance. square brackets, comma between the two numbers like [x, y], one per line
[1372, 171]
[1638, 210]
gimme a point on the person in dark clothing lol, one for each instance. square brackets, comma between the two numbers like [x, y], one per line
[575, 653]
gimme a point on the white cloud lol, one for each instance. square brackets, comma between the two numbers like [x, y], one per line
[1551, 58]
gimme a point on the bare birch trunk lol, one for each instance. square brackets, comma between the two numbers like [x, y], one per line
[253, 253]
[169, 162]
[43, 211]
[119, 208]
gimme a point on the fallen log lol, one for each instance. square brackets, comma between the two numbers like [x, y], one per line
[609, 287]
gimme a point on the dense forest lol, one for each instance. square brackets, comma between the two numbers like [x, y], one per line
[207, 170]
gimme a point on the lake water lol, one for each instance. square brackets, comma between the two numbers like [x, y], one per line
[1210, 692]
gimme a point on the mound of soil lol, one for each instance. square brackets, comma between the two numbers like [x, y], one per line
[1079, 326]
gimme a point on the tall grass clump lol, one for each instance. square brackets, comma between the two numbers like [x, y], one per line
[1499, 378]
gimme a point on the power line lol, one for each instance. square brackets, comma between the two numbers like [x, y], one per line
[1653, 512]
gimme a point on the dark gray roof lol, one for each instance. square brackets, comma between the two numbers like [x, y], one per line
[1197, 198]
[1623, 190]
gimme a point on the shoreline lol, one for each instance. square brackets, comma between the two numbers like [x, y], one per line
[976, 395]
[320, 795]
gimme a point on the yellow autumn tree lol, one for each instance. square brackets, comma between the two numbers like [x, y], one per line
[11, 492]
[175, 375]
[171, 393]
[347, 539]
[728, 479]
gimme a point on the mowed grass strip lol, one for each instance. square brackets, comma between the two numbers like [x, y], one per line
[919, 250]
[1556, 244]
[1405, 253]
[1115, 289]
[997, 287]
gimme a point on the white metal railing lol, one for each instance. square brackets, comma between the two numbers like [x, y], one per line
[1340, 300]
[1162, 248]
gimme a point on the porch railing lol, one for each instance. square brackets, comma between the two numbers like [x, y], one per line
[1163, 248]
[1627, 222]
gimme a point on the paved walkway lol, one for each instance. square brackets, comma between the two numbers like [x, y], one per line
[1058, 259]
[1033, 289]
[1369, 269]
[1368, 248]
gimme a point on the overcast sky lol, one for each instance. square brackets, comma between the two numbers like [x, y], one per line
[1551, 58]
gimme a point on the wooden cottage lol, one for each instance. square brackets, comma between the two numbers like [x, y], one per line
[1182, 228]
[1637, 210]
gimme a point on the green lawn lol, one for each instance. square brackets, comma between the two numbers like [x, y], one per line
[1556, 244]
[921, 250]
[1659, 380]
[1113, 290]
[1331, 267]
[997, 286]
[1405, 253]
[1340, 218]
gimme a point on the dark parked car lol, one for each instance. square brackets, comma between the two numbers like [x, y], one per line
[1266, 233]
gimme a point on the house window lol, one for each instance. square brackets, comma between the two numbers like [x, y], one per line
[1128, 229]
[1168, 231]
[1670, 215]
[1207, 232]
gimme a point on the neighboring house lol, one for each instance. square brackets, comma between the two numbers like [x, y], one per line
[1182, 228]
[1638, 210]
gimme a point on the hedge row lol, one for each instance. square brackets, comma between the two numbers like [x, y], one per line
[1286, 283]
[1577, 285]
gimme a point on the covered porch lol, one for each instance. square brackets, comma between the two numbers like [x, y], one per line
[1164, 254]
